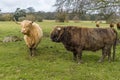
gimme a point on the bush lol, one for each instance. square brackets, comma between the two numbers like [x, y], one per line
[39, 19]
[6, 17]
[30, 17]
[76, 19]
[21, 18]
[1, 18]
[61, 16]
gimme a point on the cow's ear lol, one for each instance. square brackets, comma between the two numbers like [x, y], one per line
[31, 22]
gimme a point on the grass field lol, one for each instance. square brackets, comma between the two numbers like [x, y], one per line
[53, 61]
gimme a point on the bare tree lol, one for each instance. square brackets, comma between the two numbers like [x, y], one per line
[105, 7]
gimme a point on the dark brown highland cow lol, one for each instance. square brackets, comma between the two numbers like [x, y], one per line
[77, 39]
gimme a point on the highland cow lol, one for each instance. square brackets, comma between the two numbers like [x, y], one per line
[77, 39]
[32, 34]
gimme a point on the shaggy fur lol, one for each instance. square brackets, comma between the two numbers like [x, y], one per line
[77, 39]
[32, 34]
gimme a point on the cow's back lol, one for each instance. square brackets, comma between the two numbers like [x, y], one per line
[88, 38]
[96, 38]
[38, 29]
[35, 36]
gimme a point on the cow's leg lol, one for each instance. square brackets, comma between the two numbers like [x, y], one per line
[74, 56]
[33, 51]
[30, 51]
[79, 56]
[109, 55]
[104, 54]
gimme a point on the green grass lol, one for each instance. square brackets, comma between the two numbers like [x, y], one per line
[53, 61]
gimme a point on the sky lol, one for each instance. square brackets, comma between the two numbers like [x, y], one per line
[38, 5]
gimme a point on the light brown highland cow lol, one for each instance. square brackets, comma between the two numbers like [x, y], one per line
[32, 34]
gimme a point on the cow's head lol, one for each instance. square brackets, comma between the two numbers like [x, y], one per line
[26, 26]
[57, 34]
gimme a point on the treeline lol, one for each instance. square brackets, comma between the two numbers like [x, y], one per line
[109, 10]
[59, 16]
[36, 16]
[39, 16]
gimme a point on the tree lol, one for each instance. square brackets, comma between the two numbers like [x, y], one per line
[107, 7]
[61, 15]
[75, 6]
[31, 17]
[76, 19]
[0, 12]
[19, 13]
[30, 10]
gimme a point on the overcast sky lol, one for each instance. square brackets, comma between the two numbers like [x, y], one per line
[38, 5]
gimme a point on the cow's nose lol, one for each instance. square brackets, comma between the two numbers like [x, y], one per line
[23, 31]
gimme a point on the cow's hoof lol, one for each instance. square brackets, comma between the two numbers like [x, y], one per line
[32, 55]
[100, 61]
[80, 62]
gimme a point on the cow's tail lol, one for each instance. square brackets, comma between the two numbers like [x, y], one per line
[115, 43]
